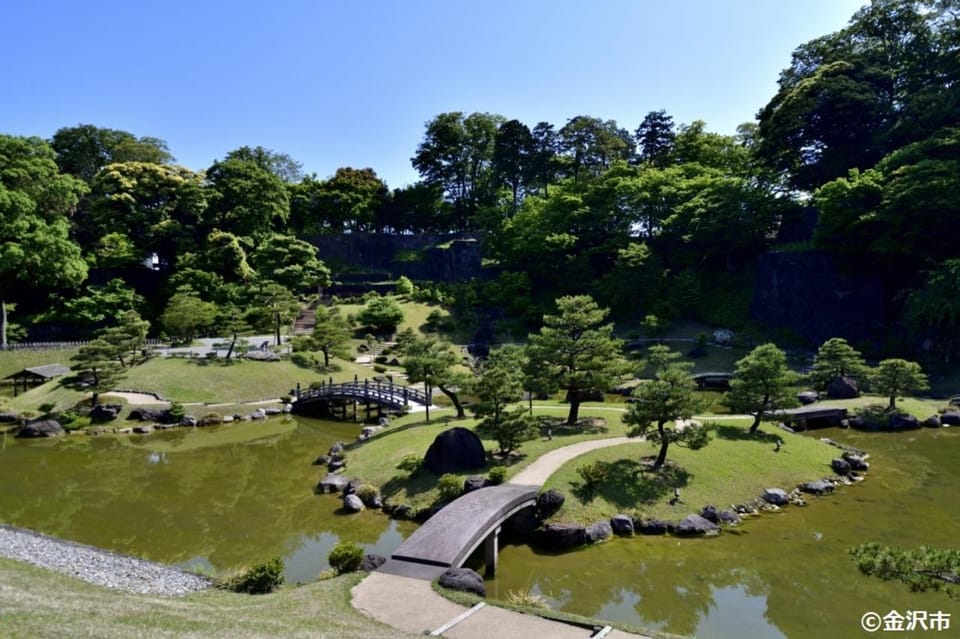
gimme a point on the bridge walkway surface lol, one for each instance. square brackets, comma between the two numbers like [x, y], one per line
[400, 594]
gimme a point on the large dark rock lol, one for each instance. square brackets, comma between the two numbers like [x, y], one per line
[150, 414]
[729, 518]
[105, 412]
[950, 418]
[843, 388]
[808, 397]
[352, 503]
[8, 417]
[932, 422]
[561, 536]
[711, 513]
[476, 482]
[523, 523]
[696, 525]
[455, 450]
[548, 503]
[600, 531]
[44, 428]
[819, 487]
[775, 496]
[372, 562]
[840, 466]
[651, 526]
[857, 462]
[622, 525]
[902, 421]
[464, 580]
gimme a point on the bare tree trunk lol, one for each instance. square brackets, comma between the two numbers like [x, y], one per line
[574, 414]
[3, 323]
[455, 399]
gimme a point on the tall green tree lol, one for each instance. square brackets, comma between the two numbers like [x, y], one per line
[84, 149]
[382, 314]
[574, 352]
[291, 263]
[655, 138]
[434, 363]
[456, 154]
[761, 383]
[592, 145]
[35, 202]
[836, 358]
[280, 164]
[128, 338]
[670, 397]
[331, 334]
[157, 207]
[512, 153]
[894, 377]
[98, 366]
[186, 315]
[245, 199]
[497, 388]
[933, 311]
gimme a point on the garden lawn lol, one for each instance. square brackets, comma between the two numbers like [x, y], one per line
[918, 407]
[732, 469]
[15, 361]
[414, 313]
[375, 460]
[36, 604]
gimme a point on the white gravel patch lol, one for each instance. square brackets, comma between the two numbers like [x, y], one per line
[97, 566]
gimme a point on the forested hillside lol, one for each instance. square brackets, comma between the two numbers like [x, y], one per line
[651, 217]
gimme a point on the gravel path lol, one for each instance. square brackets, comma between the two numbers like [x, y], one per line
[539, 471]
[97, 566]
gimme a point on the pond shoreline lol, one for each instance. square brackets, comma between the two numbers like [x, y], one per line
[97, 566]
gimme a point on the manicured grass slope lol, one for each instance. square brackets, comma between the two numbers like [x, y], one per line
[375, 460]
[36, 604]
[733, 468]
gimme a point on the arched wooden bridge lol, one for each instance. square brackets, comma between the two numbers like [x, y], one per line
[449, 537]
[329, 398]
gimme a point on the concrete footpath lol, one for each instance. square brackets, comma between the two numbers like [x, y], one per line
[413, 606]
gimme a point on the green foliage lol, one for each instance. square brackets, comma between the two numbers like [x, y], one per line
[761, 383]
[177, 411]
[186, 315]
[497, 475]
[291, 263]
[367, 493]
[893, 377]
[404, 286]
[450, 486]
[382, 314]
[500, 384]
[835, 357]
[410, 463]
[922, 568]
[670, 397]
[593, 475]
[509, 428]
[433, 362]
[260, 579]
[933, 310]
[572, 352]
[346, 557]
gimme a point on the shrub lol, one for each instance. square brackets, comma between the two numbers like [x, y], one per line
[367, 493]
[527, 598]
[404, 286]
[177, 411]
[410, 463]
[497, 474]
[260, 579]
[450, 486]
[593, 474]
[380, 368]
[346, 556]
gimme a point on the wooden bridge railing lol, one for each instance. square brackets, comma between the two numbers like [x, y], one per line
[379, 392]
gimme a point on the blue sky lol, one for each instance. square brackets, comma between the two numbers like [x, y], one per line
[352, 83]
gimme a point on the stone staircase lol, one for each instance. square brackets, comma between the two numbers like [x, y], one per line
[305, 322]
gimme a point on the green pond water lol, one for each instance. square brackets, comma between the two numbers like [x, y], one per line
[234, 495]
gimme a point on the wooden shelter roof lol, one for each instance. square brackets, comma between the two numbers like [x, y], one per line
[47, 371]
